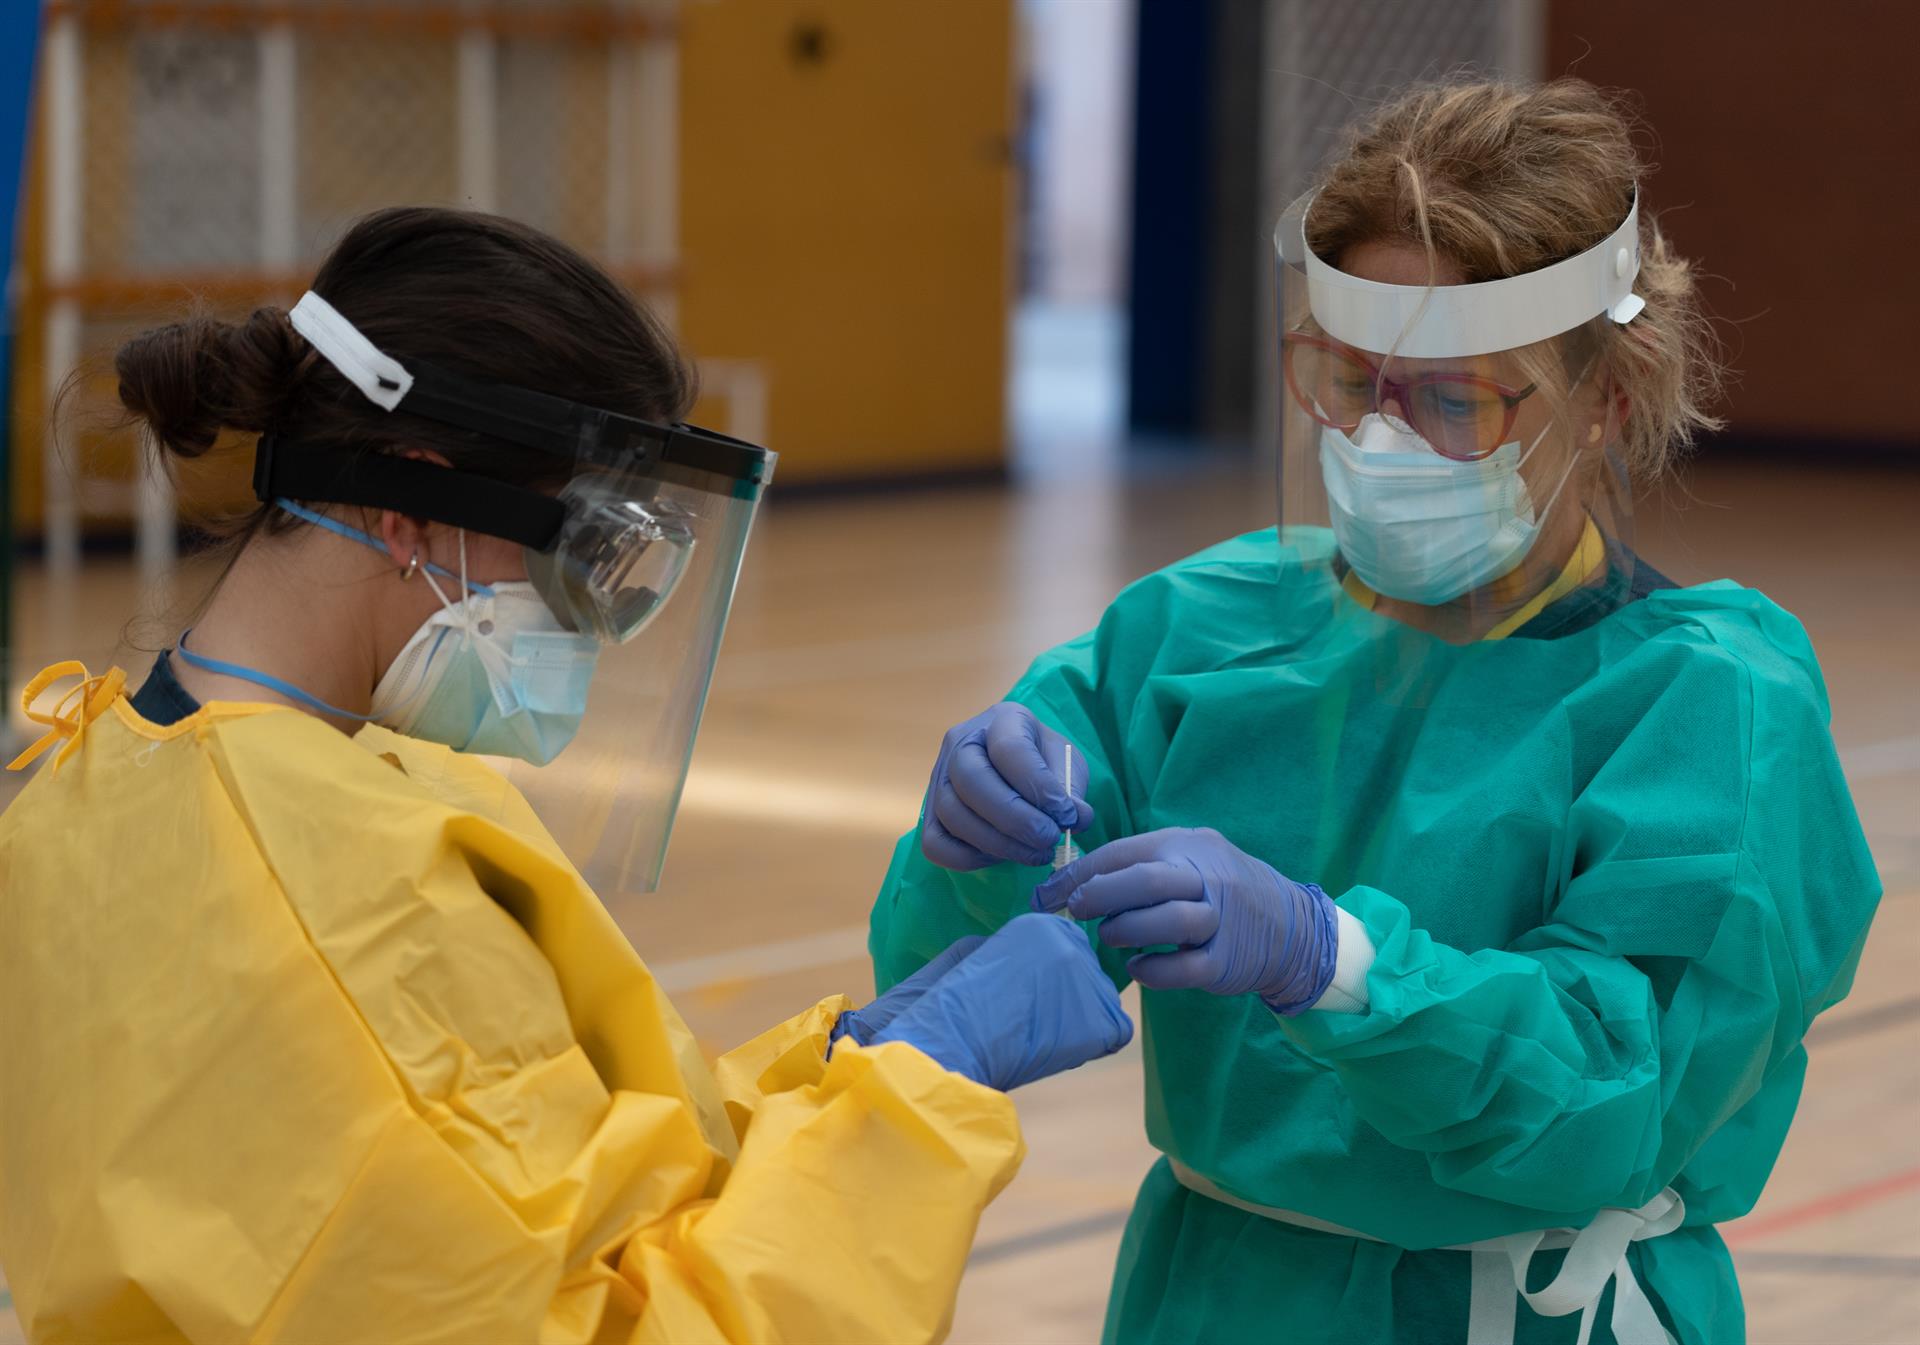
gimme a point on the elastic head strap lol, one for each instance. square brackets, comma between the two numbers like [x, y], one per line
[298, 471]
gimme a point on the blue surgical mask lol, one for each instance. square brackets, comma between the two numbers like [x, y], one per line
[494, 673]
[1421, 527]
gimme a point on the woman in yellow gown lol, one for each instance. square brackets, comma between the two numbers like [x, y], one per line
[312, 1031]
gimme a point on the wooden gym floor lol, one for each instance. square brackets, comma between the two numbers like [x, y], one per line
[864, 627]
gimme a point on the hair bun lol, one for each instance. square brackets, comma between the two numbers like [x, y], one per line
[190, 380]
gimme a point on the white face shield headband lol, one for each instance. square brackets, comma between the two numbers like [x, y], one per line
[1454, 321]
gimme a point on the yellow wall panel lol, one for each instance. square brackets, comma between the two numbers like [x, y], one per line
[846, 197]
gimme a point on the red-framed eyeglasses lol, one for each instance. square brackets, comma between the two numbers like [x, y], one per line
[1463, 416]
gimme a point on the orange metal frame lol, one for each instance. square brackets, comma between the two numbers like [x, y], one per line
[555, 21]
[240, 286]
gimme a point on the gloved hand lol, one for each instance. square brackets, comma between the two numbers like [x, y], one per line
[1029, 1002]
[996, 792]
[862, 1024]
[1238, 925]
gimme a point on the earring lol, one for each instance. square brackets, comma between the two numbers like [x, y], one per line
[1593, 435]
[413, 568]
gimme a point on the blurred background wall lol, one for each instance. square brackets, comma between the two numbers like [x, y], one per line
[846, 215]
[911, 242]
[1785, 135]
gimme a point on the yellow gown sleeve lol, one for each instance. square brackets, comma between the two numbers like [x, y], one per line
[849, 1216]
[791, 1055]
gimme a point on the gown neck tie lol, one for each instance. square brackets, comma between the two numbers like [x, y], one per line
[68, 721]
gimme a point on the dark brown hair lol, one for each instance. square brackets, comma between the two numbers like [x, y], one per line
[470, 293]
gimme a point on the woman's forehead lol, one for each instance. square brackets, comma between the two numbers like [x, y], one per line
[1393, 262]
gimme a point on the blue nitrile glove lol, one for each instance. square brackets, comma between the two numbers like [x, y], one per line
[1238, 926]
[862, 1024]
[1029, 1002]
[997, 794]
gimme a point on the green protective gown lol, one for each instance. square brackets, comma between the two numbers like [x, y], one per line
[1611, 876]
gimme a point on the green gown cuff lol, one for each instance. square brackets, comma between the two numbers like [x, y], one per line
[1403, 960]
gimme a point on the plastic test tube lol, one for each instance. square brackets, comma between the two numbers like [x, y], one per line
[1066, 852]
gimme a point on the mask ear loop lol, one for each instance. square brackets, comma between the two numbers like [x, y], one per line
[439, 592]
[462, 610]
[489, 653]
[1539, 438]
[395, 712]
[467, 586]
[1540, 514]
[1573, 459]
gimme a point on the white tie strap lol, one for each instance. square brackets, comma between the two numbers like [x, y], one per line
[1596, 1256]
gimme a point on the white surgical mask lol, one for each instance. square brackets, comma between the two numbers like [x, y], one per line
[1421, 527]
[494, 672]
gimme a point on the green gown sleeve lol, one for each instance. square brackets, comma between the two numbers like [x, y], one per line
[922, 908]
[1714, 897]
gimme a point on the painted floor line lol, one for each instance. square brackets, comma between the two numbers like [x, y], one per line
[1823, 1207]
[846, 944]
[1829, 1263]
[1045, 1239]
[812, 801]
[787, 666]
[1891, 756]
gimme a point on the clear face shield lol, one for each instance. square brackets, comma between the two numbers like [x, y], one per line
[634, 556]
[666, 564]
[1451, 456]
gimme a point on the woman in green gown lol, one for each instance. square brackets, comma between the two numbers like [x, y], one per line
[1481, 882]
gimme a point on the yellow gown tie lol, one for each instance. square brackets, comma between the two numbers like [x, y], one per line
[91, 697]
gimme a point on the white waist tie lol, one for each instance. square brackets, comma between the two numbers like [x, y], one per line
[1596, 1254]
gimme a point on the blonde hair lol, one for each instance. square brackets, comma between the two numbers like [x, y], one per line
[1501, 179]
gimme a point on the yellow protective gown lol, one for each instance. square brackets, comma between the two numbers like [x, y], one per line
[313, 1039]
